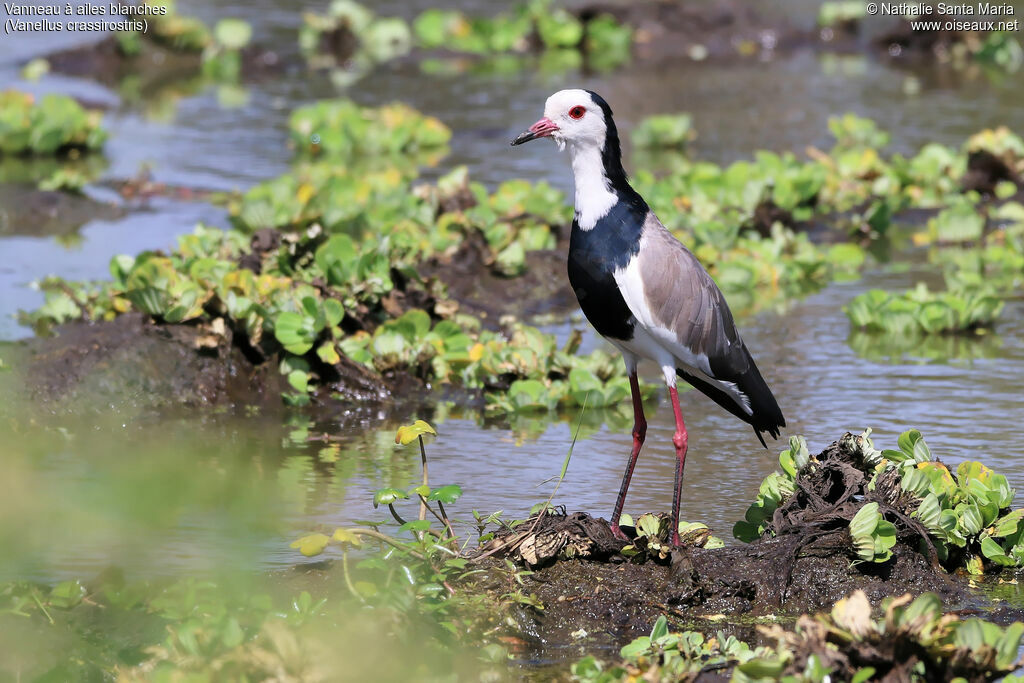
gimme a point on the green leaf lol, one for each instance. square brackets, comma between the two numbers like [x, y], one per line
[971, 520]
[1009, 523]
[929, 511]
[299, 380]
[233, 34]
[912, 443]
[993, 551]
[446, 494]
[863, 675]
[344, 536]
[388, 496]
[409, 433]
[660, 628]
[311, 545]
[865, 521]
[67, 594]
[295, 332]
[925, 608]
[638, 647]
[762, 668]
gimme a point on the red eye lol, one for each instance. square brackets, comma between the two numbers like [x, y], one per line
[577, 112]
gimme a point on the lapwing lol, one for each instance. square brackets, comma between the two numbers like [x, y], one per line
[644, 291]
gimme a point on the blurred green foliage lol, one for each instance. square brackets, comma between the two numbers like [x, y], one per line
[55, 124]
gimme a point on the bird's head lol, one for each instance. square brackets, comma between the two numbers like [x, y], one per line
[579, 118]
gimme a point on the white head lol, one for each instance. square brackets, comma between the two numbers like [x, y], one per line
[571, 117]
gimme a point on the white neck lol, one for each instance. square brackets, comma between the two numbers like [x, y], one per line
[594, 195]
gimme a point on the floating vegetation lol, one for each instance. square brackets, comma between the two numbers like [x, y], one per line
[172, 30]
[222, 56]
[55, 124]
[343, 128]
[352, 36]
[666, 130]
[922, 311]
[409, 222]
[961, 519]
[312, 303]
[840, 13]
[911, 640]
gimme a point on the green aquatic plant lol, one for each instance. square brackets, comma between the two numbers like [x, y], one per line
[168, 29]
[304, 308]
[410, 223]
[352, 37]
[342, 128]
[54, 124]
[873, 537]
[429, 553]
[665, 655]
[959, 222]
[835, 13]
[919, 310]
[222, 57]
[776, 488]
[666, 130]
[965, 516]
[912, 640]
[651, 536]
[554, 27]
[453, 30]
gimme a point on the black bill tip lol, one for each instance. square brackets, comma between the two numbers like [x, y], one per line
[525, 136]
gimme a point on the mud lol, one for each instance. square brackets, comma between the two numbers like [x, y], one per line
[25, 210]
[132, 361]
[668, 30]
[471, 281]
[708, 590]
[157, 65]
[722, 30]
[614, 599]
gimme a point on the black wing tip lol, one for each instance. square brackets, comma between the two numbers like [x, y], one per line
[774, 429]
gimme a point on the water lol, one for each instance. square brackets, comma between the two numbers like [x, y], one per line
[263, 487]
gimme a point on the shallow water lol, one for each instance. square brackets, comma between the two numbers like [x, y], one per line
[279, 486]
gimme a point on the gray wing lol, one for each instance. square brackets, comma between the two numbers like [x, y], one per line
[682, 297]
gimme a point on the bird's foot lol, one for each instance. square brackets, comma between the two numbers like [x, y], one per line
[618, 533]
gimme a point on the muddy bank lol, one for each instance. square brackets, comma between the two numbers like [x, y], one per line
[132, 361]
[158, 66]
[615, 600]
[26, 210]
[669, 30]
[470, 280]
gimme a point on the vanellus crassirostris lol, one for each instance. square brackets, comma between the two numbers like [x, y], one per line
[643, 290]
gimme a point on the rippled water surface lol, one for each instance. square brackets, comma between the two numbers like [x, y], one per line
[280, 484]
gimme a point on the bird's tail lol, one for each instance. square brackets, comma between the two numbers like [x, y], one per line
[765, 415]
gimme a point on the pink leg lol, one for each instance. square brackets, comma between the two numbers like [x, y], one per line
[679, 440]
[639, 433]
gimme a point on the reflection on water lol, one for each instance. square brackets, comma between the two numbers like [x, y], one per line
[88, 495]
